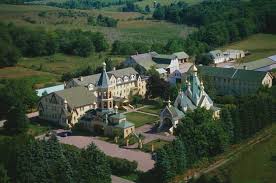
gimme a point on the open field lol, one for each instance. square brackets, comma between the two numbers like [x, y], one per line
[255, 165]
[40, 79]
[259, 45]
[128, 28]
[140, 119]
[60, 63]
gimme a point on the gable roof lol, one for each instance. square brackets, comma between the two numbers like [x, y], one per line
[145, 59]
[93, 79]
[273, 58]
[231, 73]
[77, 96]
[50, 89]
[176, 113]
[256, 64]
[216, 53]
[181, 55]
[163, 59]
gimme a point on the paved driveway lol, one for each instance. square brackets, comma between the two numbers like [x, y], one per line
[144, 160]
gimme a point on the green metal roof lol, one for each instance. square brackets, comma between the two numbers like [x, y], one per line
[238, 74]
[163, 59]
[124, 125]
[181, 55]
[176, 113]
[77, 96]
[118, 116]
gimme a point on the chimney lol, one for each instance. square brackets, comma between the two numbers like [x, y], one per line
[81, 78]
[137, 53]
[114, 69]
[245, 67]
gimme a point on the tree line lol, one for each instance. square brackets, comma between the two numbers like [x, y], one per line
[17, 41]
[103, 21]
[219, 22]
[200, 136]
[88, 4]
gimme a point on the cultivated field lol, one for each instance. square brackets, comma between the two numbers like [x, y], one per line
[128, 29]
[259, 45]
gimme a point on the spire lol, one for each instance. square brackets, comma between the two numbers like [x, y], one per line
[104, 79]
[169, 103]
[201, 85]
[194, 70]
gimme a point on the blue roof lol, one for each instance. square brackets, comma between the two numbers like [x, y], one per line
[50, 89]
[103, 80]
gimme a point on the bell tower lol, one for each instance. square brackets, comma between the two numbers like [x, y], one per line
[105, 97]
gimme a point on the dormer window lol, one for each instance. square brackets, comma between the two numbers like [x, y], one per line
[125, 79]
[90, 87]
[119, 80]
[132, 77]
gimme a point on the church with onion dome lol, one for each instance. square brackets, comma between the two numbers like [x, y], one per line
[191, 96]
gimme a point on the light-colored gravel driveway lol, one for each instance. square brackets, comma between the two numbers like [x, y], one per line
[144, 160]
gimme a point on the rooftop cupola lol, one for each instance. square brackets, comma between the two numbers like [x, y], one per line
[104, 79]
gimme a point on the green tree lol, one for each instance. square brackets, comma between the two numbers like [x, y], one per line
[227, 124]
[95, 166]
[162, 165]
[4, 178]
[17, 121]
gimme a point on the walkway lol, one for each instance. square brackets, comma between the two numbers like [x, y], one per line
[116, 179]
[143, 159]
[150, 134]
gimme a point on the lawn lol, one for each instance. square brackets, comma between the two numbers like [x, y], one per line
[151, 109]
[259, 45]
[157, 144]
[140, 119]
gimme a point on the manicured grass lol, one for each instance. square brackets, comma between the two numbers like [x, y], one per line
[157, 144]
[140, 119]
[151, 109]
[259, 45]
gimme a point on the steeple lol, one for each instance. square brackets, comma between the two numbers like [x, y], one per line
[104, 79]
